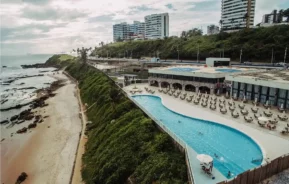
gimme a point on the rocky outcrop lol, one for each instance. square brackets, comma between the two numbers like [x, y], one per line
[21, 178]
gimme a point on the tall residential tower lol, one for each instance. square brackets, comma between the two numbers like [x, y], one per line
[237, 14]
[157, 26]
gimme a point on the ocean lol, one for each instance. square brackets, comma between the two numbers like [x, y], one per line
[18, 85]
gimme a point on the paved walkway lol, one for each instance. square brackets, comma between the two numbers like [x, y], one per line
[265, 138]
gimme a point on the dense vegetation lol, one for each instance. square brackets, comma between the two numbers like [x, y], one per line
[257, 45]
[122, 142]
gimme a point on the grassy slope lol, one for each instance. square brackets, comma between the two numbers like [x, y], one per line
[122, 141]
[257, 45]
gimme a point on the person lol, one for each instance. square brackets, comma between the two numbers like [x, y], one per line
[229, 174]
[179, 121]
[216, 155]
[200, 133]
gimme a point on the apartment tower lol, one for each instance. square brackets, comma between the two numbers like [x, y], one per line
[157, 26]
[237, 14]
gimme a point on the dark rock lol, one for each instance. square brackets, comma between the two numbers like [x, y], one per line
[4, 66]
[37, 65]
[22, 130]
[3, 101]
[45, 116]
[29, 117]
[27, 88]
[4, 122]
[21, 178]
[32, 125]
[14, 117]
[2, 139]
[22, 83]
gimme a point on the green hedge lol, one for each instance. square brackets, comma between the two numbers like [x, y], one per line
[122, 141]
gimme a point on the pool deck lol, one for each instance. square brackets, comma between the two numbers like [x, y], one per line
[272, 143]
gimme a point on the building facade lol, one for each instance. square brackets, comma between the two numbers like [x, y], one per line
[272, 18]
[212, 29]
[270, 87]
[157, 26]
[234, 13]
[120, 31]
[124, 31]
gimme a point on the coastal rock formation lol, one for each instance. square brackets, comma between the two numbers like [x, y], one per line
[32, 125]
[21, 178]
[4, 122]
[22, 130]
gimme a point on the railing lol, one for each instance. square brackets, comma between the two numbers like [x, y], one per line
[173, 136]
[261, 173]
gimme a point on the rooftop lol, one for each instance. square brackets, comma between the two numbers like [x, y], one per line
[272, 78]
[199, 71]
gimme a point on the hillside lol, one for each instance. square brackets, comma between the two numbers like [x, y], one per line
[122, 141]
[257, 45]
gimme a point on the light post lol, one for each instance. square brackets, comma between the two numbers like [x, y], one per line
[241, 52]
[285, 55]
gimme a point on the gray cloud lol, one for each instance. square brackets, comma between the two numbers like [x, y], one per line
[50, 13]
[25, 31]
[102, 18]
[36, 2]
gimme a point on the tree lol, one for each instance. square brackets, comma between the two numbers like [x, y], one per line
[286, 14]
[83, 53]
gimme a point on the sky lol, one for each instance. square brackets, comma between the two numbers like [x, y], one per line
[54, 26]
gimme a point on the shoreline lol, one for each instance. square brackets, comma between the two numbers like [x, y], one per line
[46, 153]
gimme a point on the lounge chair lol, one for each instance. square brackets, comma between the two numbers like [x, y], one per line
[223, 111]
[232, 108]
[160, 90]
[241, 106]
[196, 102]
[260, 124]
[152, 92]
[213, 107]
[235, 98]
[221, 106]
[280, 109]
[235, 115]
[255, 103]
[204, 104]
[266, 106]
[284, 118]
[248, 119]
[245, 101]
[227, 96]
[231, 103]
[182, 97]
[256, 116]
[244, 112]
[254, 110]
[189, 99]
[269, 114]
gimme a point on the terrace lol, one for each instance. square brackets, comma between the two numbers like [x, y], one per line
[193, 105]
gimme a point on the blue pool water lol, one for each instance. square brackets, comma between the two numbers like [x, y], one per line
[225, 70]
[235, 150]
[183, 69]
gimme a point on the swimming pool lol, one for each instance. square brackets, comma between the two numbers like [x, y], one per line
[225, 70]
[183, 69]
[234, 149]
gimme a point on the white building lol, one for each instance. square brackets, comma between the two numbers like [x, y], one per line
[157, 26]
[212, 29]
[234, 13]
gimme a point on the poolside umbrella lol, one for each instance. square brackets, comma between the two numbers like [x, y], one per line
[263, 119]
[204, 158]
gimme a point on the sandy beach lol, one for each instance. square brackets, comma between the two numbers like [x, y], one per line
[47, 152]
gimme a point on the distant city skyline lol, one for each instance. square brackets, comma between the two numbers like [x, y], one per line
[53, 26]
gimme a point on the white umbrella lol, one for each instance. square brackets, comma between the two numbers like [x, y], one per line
[204, 158]
[262, 118]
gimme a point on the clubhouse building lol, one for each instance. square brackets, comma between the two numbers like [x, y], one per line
[271, 86]
[193, 78]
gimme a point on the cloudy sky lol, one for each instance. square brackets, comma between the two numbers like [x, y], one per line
[53, 26]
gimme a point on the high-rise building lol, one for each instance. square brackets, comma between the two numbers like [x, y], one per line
[124, 31]
[120, 31]
[157, 26]
[212, 29]
[235, 13]
[272, 18]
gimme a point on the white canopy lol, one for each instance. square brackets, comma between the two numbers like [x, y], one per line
[204, 158]
[262, 118]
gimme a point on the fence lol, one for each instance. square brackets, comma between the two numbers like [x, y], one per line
[261, 173]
